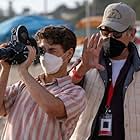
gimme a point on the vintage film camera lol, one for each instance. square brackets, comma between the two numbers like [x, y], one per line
[16, 51]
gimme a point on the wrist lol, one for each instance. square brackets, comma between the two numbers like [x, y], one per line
[76, 75]
[78, 72]
[82, 69]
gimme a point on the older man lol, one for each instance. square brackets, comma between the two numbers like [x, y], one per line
[112, 82]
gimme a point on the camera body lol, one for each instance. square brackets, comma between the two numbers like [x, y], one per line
[16, 51]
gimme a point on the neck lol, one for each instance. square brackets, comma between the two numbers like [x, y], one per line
[52, 77]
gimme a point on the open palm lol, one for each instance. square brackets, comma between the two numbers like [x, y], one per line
[91, 52]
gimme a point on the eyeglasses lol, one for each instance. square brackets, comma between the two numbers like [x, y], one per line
[106, 31]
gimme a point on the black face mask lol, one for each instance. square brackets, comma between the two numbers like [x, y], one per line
[112, 47]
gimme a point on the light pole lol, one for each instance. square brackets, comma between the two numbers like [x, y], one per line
[87, 9]
[45, 4]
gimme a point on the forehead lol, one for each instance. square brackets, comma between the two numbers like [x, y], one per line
[46, 45]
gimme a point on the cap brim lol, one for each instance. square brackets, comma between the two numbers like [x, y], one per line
[113, 25]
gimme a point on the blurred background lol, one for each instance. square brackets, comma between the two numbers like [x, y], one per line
[81, 16]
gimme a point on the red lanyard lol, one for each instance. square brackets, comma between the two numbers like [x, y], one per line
[109, 95]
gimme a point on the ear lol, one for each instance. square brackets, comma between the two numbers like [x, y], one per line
[70, 53]
[132, 33]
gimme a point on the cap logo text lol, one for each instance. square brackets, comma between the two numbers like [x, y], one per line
[113, 13]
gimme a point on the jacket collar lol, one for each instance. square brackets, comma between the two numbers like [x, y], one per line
[135, 61]
[135, 54]
[136, 57]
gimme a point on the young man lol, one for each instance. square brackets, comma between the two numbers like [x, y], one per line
[48, 107]
[112, 81]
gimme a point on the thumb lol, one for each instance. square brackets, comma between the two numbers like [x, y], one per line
[100, 67]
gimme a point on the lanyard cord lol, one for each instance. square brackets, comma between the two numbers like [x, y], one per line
[109, 96]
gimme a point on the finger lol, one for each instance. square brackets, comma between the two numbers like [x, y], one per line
[94, 40]
[85, 45]
[4, 45]
[31, 49]
[100, 44]
[91, 41]
[32, 52]
[100, 67]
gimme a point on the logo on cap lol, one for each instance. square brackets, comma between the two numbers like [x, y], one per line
[113, 13]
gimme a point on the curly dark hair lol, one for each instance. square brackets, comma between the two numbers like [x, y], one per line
[58, 35]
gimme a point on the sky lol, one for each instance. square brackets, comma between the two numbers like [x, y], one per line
[37, 6]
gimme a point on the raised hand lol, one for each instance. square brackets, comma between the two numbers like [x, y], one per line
[91, 52]
[31, 56]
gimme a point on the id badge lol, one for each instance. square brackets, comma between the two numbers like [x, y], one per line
[105, 122]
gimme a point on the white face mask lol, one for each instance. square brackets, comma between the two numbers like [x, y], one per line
[50, 63]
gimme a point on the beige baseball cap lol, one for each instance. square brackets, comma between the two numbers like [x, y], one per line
[118, 16]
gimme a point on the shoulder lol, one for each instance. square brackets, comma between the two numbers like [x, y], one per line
[91, 74]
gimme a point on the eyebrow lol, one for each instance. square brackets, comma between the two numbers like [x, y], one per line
[51, 49]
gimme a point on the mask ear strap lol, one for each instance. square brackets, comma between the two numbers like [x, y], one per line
[75, 64]
[70, 52]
